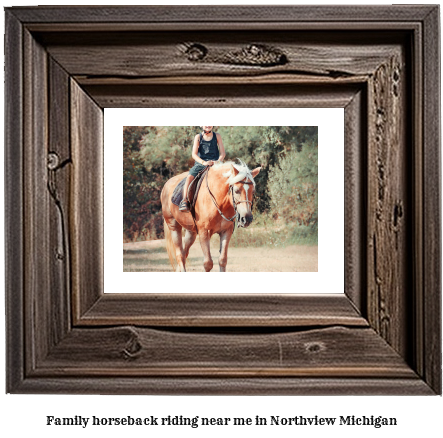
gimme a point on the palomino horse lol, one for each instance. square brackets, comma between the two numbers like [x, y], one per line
[225, 194]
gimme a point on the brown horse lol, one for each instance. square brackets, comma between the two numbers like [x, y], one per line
[225, 194]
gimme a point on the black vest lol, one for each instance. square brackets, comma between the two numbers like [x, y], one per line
[208, 150]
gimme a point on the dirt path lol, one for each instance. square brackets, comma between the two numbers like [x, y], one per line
[151, 256]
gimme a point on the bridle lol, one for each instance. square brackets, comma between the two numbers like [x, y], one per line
[234, 201]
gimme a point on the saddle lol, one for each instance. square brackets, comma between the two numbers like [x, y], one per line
[193, 190]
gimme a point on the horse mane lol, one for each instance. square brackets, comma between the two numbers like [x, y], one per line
[243, 172]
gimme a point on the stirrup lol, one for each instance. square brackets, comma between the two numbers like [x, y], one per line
[184, 205]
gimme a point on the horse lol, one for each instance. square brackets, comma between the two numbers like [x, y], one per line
[225, 195]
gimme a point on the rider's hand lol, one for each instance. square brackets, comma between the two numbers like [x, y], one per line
[209, 163]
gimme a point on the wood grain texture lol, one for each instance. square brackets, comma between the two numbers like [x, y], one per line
[59, 183]
[223, 96]
[355, 190]
[431, 316]
[417, 358]
[206, 310]
[261, 26]
[226, 386]
[241, 14]
[171, 54]
[66, 336]
[14, 251]
[129, 351]
[388, 204]
[86, 197]
[38, 309]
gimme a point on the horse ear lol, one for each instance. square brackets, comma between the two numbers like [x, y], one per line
[255, 172]
[234, 171]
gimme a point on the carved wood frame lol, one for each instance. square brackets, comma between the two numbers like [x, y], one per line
[64, 335]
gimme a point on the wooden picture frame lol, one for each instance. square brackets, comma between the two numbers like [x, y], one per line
[65, 64]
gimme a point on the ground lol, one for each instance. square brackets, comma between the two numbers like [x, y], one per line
[151, 256]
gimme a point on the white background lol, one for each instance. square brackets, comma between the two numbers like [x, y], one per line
[331, 200]
[25, 414]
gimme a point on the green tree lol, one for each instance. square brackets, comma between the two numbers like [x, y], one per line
[136, 180]
[293, 186]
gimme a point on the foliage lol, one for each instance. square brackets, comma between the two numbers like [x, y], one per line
[153, 154]
[293, 186]
[138, 198]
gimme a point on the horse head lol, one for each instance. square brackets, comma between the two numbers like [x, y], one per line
[242, 185]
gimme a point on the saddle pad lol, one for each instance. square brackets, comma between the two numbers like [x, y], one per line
[193, 189]
[177, 196]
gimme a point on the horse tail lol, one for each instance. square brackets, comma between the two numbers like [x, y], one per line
[170, 246]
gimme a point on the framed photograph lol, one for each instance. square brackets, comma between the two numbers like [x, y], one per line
[271, 232]
[301, 178]
[375, 326]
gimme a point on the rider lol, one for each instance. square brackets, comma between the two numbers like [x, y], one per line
[208, 148]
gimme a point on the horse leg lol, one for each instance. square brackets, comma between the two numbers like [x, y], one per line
[188, 242]
[176, 235]
[225, 237]
[206, 248]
